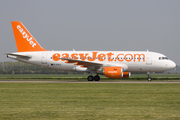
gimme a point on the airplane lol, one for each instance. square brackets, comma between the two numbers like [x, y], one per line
[112, 64]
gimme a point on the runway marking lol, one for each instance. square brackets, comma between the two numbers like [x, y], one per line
[9, 81]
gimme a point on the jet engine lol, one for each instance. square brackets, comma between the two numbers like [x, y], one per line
[113, 72]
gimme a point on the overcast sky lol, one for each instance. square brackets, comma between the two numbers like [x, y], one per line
[111, 25]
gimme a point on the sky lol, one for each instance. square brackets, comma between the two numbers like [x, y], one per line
[105, 25]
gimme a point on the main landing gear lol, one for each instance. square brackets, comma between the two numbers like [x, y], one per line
[91, 78]
[149, 78]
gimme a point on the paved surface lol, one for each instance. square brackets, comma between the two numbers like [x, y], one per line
[6, 81]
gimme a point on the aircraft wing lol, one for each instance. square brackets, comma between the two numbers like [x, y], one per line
[80, 62]
[93, 65]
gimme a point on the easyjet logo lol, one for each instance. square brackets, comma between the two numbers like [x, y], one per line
[100, 57]
[112, 71]
[26, 36]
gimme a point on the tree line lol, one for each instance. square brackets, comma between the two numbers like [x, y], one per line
[25, 68]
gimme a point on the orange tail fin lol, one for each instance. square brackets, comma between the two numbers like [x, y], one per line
[24, 40]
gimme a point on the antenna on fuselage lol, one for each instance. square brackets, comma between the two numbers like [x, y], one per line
[147, 50]
[73, 49]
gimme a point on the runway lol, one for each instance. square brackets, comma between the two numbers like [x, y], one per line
[146, 82]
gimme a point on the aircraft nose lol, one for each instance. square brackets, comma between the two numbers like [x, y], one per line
[172, 65]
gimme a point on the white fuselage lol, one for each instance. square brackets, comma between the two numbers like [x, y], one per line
[131, 61]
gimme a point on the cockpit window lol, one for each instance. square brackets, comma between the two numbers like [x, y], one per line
[163, 58]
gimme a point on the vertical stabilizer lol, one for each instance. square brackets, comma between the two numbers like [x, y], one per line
[24, 40]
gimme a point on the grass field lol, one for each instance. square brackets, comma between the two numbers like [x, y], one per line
[78, 101]
[83, 77]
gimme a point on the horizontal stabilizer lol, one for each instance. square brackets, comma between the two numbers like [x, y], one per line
[18, 55]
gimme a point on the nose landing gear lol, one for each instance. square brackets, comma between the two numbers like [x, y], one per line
[149, 78]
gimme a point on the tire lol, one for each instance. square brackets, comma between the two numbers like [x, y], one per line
[149, 79]
[96, 78]
[90, 78]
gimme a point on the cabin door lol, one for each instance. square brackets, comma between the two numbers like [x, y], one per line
[148, 59]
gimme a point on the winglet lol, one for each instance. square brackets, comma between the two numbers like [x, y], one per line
[24, 40]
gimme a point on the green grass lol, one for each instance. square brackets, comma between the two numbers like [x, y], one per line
[83, 77]
[89, 101]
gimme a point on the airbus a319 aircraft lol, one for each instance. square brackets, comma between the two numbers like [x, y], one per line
[112, 64]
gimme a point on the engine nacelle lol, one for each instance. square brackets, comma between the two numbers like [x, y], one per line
[126, 74]
[113, 72]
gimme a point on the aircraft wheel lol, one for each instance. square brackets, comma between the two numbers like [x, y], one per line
[149, 79]
[90, 78]
[96, 78]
